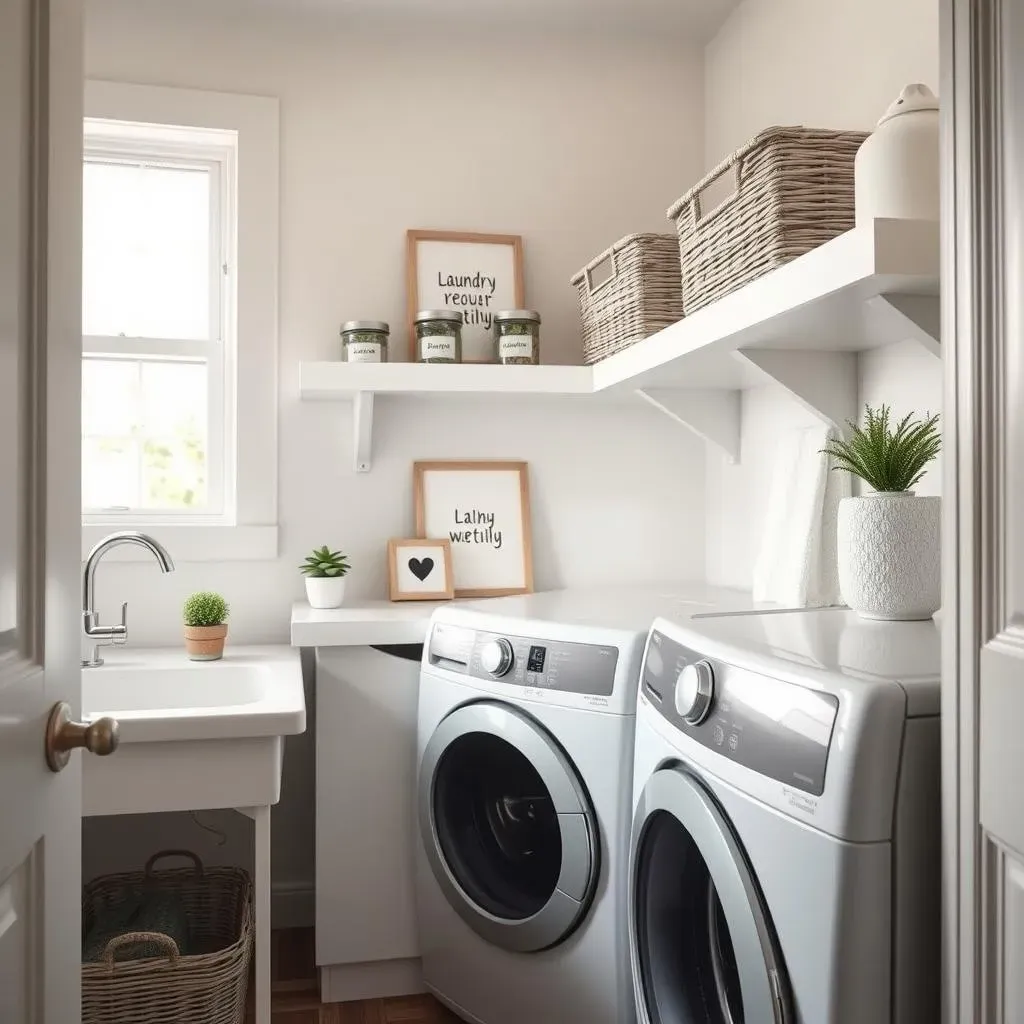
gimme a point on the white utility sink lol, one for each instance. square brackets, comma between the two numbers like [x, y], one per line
[193, 735]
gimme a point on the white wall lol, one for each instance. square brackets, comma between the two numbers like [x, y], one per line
[821, 63]
[563, 139]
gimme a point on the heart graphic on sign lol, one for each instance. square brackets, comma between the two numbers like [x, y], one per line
[421, 568]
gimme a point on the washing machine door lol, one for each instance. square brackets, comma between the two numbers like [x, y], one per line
[702, 943]
[507, 826]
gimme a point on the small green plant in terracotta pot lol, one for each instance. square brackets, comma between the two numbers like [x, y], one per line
[325, 571]
[206, 618]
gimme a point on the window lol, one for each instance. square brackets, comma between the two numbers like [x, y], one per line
[157, 321]
[179, 319]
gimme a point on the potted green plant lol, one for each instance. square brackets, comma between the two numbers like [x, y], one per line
[325, 571]
[889, 540]
[206, 616]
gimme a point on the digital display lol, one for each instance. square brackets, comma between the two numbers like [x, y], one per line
[535, 662]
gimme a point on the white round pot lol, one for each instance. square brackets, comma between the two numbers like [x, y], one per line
[889, 555]
[325, 591]
[896, 171]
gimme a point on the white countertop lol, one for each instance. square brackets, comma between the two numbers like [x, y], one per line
[365, 623]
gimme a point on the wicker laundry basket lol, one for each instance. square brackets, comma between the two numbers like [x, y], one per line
[791, 191]
[639, 297]
[207, 985]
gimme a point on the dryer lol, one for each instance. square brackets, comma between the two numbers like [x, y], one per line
[785, 851]
[525, 753]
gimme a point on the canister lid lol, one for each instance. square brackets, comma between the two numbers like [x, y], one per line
[439, 314]
[517, 314]
[912, 99]
[365, 325]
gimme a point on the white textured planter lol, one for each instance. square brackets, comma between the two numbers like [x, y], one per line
[325, 591]
[889, 549]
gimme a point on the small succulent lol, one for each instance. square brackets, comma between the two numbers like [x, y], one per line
[325, 563]
[205, 608]
[887, 459]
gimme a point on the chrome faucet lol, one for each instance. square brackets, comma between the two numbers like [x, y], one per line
[90, 618]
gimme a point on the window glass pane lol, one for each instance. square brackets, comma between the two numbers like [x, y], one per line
[145, 434]
[146, 251]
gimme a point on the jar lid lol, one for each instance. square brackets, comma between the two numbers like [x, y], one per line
[911, 100]
[365, 325]
[517, 314]
[438, 314]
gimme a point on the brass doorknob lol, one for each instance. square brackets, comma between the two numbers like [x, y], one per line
[63, 736]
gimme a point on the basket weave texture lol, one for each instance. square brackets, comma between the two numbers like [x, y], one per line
[640, 297]
[792, 190]
[206, 987]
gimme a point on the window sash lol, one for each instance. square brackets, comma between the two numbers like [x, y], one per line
[171, 147]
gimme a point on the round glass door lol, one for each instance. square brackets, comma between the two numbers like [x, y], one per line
[507, 826]
[703, 948]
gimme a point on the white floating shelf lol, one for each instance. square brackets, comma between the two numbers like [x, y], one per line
[872, 286]
[361, 624]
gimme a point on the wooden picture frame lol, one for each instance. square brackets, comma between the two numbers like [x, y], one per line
[436, 253]
[420, 570]
[483, 509]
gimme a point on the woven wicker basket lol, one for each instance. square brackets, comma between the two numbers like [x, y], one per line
[207, 986]
[792, 190]
[639, 297]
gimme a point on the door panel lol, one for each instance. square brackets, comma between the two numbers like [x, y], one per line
[40, 369]
[1012, 955]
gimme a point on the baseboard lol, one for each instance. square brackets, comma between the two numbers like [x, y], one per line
[378, 979]
[292, 905]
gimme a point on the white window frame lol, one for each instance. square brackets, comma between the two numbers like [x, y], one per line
[245, 525]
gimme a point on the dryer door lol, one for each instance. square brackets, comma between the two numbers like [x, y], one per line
[703, 947]
[507, 826]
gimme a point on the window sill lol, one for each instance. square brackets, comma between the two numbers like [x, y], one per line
[190, 543]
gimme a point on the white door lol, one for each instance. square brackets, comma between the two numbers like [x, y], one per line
[40, 524]
[983, 710]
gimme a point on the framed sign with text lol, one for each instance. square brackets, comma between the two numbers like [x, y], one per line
[476, 274]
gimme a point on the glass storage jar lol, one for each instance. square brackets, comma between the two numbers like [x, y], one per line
[438, 336]
[364, 341]
[517, 336]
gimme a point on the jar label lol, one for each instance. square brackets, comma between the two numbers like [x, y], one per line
[437, 346]
[363, 352]
[515, 346]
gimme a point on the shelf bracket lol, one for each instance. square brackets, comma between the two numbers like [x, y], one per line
[824, 383]
[711, 415]
[911, 316]
[362, 430]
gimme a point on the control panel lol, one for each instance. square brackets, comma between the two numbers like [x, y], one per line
[525, 661]
[780, 729]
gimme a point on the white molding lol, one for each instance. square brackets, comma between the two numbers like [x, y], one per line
[191, 543]
[256, 252]
[378, 979]
[824, 383]
[713, 416]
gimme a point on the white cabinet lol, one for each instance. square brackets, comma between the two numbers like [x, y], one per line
[366, 942]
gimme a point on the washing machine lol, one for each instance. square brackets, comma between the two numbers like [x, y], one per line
[525, 753]
[785, 850]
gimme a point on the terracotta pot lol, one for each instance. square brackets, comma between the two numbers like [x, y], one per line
[205, 643]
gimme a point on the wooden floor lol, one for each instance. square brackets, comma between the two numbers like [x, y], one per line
[296, 998]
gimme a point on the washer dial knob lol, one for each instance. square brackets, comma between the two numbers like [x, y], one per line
[695, 690]
[497, 658]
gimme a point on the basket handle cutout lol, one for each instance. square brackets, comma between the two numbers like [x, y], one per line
[606, 263]
[161, 854]
[166, 943]
[718, 194]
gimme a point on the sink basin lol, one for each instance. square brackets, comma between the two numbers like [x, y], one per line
[194, 735]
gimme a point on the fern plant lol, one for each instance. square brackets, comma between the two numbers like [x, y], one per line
[205, 608]
[325, 563]
[888, 459]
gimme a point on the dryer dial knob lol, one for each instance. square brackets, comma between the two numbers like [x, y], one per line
[695, 690]
[497, 658]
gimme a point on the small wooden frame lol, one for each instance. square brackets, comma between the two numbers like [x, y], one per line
[420, 570]
[494, 262]
[483, 509]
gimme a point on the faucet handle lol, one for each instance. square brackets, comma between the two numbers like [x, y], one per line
[120, 637]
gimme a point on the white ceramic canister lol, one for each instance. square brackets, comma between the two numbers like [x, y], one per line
[896, 172]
